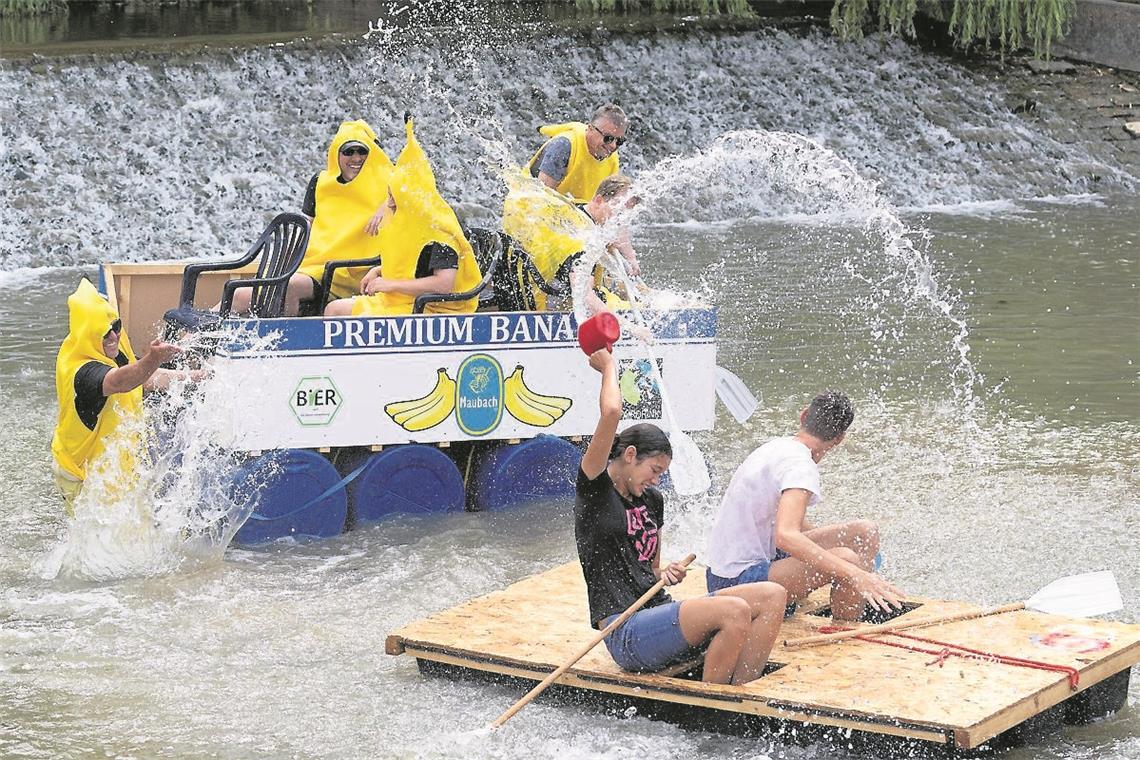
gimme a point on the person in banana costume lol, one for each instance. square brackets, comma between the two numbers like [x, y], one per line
[553, 230]
[99, 384]
[345, 203]
[422, 247]
[578, 156]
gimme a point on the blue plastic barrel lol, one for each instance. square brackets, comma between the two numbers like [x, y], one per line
[288, 489]
[538, 469]
[407, 479]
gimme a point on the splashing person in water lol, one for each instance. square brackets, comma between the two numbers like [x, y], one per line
[762, 533]
[618, 515]
[99, 384]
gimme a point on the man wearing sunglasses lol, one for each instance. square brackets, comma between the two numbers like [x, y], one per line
[98, 384]
[578, 156]
[344, 203]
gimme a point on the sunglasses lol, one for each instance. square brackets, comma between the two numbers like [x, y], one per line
[116, 327]
[609, 139]
[354, 151]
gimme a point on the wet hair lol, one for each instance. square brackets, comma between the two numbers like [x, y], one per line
[612, 113]
[647, 439]
[613, 186]
[829, 415]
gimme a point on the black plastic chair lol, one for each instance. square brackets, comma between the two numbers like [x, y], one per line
[281, 247]
[489, 247]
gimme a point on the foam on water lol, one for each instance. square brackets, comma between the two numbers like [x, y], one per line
[177, 155]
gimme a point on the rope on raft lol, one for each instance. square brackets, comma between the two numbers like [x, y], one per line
[957, 650]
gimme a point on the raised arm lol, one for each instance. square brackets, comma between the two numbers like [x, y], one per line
[597, 454]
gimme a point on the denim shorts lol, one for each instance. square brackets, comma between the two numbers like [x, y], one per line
[650, 640]
[753, 574]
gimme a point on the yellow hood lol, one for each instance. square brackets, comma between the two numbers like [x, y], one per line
[422, 216]
[343, 209]
[90, 317]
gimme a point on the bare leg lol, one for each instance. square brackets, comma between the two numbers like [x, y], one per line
[856, 542]
[766, 602]
[727, 619]
[341, 307]
[300, 288]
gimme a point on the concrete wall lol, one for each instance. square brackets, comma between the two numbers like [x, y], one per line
[1105, 32]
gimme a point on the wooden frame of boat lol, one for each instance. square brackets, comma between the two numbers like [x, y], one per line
[526, 630]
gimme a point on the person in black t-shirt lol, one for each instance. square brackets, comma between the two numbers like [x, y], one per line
[618, 515]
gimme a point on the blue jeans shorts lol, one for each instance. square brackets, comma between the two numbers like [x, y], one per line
[753, 574]
[650, 640]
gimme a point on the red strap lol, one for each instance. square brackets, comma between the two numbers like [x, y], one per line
[947, 650]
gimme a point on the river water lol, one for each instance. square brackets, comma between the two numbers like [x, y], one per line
[978, 299]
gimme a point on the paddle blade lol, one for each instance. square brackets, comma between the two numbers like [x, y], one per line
[735, 396]
[1079, 595]
[688, 471]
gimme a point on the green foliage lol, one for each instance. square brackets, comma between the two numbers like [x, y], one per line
[700, 7]
[1010, 22]
[31, 7]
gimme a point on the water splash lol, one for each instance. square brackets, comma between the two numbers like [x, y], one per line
[171, 508]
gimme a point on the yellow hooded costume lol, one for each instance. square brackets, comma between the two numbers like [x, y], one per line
[548, 225]
[74, 446]
[583, 172]
[421, 217]
[343, 210]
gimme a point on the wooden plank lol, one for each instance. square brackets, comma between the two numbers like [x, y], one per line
[679, 695]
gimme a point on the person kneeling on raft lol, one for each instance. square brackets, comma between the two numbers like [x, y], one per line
[762, 532]
[618, 516]
[422, 247]
[99, 384]
[554, 232]
[345, 203]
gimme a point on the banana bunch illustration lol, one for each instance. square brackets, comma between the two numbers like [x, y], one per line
[427, 411]
[529, 407]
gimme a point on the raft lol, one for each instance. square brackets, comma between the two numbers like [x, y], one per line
[856, 691]
[348, 421]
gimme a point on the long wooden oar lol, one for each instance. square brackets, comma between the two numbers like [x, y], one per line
[530, 695]
[1075, 595]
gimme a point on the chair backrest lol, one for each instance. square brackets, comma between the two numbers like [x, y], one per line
[510, 286]
[282, 246]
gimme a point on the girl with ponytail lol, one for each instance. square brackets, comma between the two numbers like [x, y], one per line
[618, 515]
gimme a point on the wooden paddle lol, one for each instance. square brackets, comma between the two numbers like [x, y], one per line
[1075, 595]
[688, 471]
[530, 695]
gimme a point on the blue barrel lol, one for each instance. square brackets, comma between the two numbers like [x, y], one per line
[538, 469]
[407, 479]
[290, 494]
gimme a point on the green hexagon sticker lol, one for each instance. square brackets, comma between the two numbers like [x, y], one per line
[315, 401]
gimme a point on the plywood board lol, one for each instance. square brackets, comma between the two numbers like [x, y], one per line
[533, 626]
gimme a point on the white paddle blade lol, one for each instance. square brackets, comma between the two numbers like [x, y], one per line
[688, 472]
[1082, 595]
[735, 396]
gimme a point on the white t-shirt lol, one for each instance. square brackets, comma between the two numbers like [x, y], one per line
[745, 530]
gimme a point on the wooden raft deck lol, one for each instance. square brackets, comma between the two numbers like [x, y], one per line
[533, 626]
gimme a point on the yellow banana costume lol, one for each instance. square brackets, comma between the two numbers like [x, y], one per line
[583, 172]
[344, 209]
[422, 216]
[74, 446]
[549, 227]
